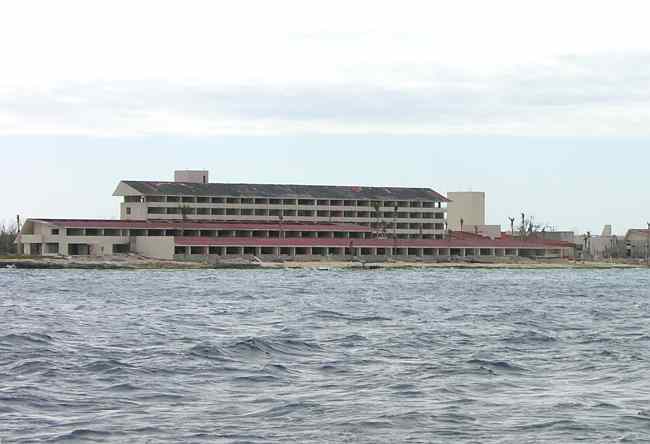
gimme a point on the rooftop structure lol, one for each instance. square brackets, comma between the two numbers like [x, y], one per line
[192, 176]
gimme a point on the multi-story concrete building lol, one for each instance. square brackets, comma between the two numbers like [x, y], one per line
[405, 213]
[197, 220]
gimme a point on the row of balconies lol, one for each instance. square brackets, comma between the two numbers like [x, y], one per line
[207, 211]
[283, 202]
[402, 224]
[293, 207]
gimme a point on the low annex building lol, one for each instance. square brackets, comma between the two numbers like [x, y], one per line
[192, 219]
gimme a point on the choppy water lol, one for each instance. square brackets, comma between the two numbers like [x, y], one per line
[314, 356]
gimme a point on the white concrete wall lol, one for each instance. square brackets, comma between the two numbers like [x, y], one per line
[99, 245]
[158, 247]
[466, 205]
[139, 211]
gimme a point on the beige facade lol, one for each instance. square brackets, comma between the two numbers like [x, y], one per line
[468, 206]
[39, 238]
[160, 247]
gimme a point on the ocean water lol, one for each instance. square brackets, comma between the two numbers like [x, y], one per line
[467, 356]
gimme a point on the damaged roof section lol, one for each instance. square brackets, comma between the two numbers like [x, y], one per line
[280, 191]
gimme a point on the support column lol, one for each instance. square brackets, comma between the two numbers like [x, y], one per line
[258, 251]
[292, 251]
[276, 251]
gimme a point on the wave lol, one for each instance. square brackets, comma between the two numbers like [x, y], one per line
[499, 365]
[123, 388]
[84, 435]
[563, 424]
[26, 338]
[328, 314]
[209, 351]
[530, 337]
[107, 366]
[30, 366]
[289, 409]
[255, 348]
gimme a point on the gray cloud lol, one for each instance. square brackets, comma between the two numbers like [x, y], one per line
[585, 95]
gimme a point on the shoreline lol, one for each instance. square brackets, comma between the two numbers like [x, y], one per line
[138, 263]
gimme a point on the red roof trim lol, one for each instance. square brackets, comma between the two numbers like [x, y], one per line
[221, 225]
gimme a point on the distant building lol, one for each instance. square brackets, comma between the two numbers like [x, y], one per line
[603, 246]
[637, 243]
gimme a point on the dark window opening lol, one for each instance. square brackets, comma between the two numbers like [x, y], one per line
[120, 248]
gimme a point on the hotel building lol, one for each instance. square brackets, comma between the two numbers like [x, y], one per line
[193, 219]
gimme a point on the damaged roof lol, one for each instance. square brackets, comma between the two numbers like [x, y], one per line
[284, 191]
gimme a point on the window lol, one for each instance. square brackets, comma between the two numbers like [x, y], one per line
[55, 231]
[128, 210]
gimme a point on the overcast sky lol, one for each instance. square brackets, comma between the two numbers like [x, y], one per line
[544, 105]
